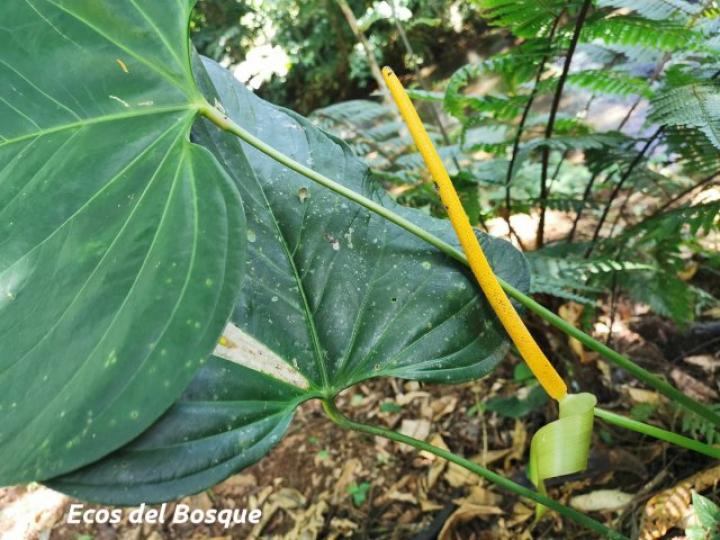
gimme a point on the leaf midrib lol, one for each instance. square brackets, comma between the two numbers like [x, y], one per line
[314, 336]
[101, 119]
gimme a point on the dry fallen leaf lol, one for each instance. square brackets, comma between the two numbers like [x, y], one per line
[404, 399]
[457, 476]
[236, 484]
[639, 395]
[691, 386]
[308, 524]
[521, 513]
[571, 313]
[480, 495]
[347, 476]
[341, 528]
[687, 273]
[442, 407]
[671, 507]
[519, 441]
[418, 429]
[465, 513]
[438, 464]
[287, 499]
[707, 362]
[601, 500]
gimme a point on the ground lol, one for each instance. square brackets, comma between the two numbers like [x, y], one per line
[322, 482]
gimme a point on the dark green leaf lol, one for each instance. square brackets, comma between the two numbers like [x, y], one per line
[516, 407]
[335, 295]
[228, 418]
[339, 294]
[120, 241]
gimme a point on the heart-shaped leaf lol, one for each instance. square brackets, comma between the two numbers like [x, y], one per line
[121, 242]
[334, 295]
[228, 418]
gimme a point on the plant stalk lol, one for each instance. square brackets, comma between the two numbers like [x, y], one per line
[360, 36]
[544, 191]
[682, 194]
[225, 123]
[521, 125]
[658, 433]
[344, 422]
[613, 195]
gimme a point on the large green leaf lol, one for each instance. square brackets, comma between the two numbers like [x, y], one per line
[121, 242]
[334, 295]
[229, 417]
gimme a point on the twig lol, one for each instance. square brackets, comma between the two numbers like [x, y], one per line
[638, 158]
[360, 36]
[683, 193]
[421, 80]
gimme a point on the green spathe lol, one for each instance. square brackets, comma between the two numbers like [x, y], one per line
[561, 447]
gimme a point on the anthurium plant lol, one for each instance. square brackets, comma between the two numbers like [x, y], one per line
[182, 264]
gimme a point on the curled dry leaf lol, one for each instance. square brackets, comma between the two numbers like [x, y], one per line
[519, 442]
[671, 507]
[438, 465]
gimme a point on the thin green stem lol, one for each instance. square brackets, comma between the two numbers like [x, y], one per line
[225, 123]
[657, 433]
[228, 125]
[616, 358]
[344, 422]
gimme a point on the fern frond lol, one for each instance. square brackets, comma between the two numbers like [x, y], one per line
[357, 112]
[631, 30]
[694, 220]
[664, 293]
[564, 143]
[524, 19]
[691, 105]
[697, 153]
[560, 273]
[514, 67]
[698, 427]
[562, 204]
[657, 10]
[610, 82]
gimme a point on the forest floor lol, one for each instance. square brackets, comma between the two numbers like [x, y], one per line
[322, 482]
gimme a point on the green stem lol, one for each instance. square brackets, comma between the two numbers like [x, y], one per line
[225, 123]
[344, 422]
[663, 435]
[616, 358]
